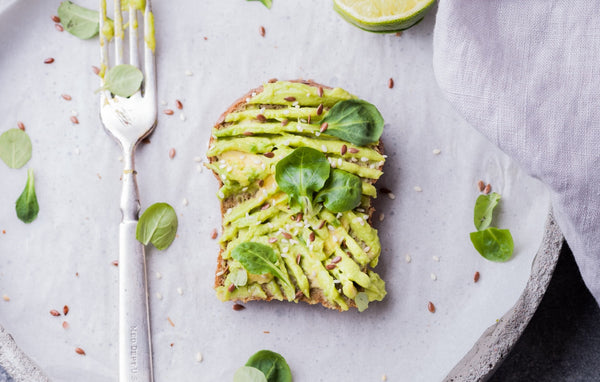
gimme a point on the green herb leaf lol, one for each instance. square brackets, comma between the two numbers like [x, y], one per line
[273, 365]
[157, 225]
[27, 205]
[258, 259]
[266, 3]
[15, 148]
[355, 121]
[249, 374]
[484, 206]
[302, 173]
[80, 22]
[342, 191]
[494, 244]
[123, 80]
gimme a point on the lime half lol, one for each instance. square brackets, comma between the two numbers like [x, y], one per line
[383, 16]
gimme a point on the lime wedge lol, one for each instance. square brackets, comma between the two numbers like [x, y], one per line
[383, 16]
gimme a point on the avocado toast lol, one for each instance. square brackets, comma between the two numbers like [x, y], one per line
[296, 163]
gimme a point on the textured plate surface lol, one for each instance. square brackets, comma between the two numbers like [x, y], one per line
[209, 53]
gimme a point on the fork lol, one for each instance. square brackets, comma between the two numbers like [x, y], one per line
[129, 120]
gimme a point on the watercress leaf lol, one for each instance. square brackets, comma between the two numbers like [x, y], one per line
[80, 22]
[493, 243]
[266, 3]
[15, 148]
[301, 173]
[273, 365]
[342, 191]
[157, 225]
[258, 259]
[123, 80]
[27, 205]
[484, 206]
[355, 121]
[249, 374]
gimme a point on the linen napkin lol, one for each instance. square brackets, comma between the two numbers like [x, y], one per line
[527, 75]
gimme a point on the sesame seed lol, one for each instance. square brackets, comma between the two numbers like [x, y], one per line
[159, 296]
[77, 151]
[391, 196]
[199, 357]
[417, 188]
[437, 151]
[185, 202]
[182, 116]
[163, 102]
[436, 258]
[55, 18]
[381, 216]
[339, 162]
[364, 159]
[330, 227]
[330, 266]
[5, 297]
[21, 125]
[189, 73]
[324, 148]
[198, 159]
[180, 291]
[158, 275]
[96, 70]
[433, 276]
[407, 258]
[320, 91]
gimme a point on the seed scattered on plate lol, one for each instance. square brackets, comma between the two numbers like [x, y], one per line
[55, 312]
[115, 263]
[480, 186]
[476, 277]
[168, 111]
[182, 116]
[431, 307]
[436, 258]
[55, 18]
[214, 234]
[158, 275]
[180, 291]
[185, 202]
[189, 73]
[417, 188]
[391, 83]
[49, 60]
[238, 307]
[199, 357]
[487, 189]
[170, 321]
[74, 120]
[159, 296]
[5, 297]
[262, 31]
[433, 276]
[198, 159]
[437, 151]
[96, 70]
[79, 351]
[65, 325]
[407, 258]
[391, 196]
[178, 104]
[59, 27]
[21, 125]
[65, 310]
[381, 217]
[172, 153]
[384, 378]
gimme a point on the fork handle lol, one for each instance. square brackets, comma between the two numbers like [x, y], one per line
[135, 348]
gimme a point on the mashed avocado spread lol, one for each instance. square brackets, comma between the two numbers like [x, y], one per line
[320, 255]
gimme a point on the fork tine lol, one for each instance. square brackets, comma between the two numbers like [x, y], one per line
[133, 36]
[103, 48]
[149, 62]
[118, 33]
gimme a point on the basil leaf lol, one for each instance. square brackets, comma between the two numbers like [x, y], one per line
[249, 374]
[494, 244]
[27, 205]
[258, 259]
[80, 22]
[273, 365]
[123, 80]
[266, 3]
[342, 191]
[301, 173]
[355, 121]
[157, 225]
[484, 206]
[15, 148]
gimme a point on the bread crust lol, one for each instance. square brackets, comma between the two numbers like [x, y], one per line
[316, 294]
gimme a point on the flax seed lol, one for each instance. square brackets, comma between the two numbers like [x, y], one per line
[330, 266]
[238, 307]
[55, 312]
[476, 277]
[214, 234]
[320, 90]
[178, 104]
[66, 97]
[65, 325]
[311, 237]
[56, 19]
[48, 60]
[168, 112]
[262, 31]
[480, 186]
[172, 153]
[272, 80]
[353, 150]
[431, 307]
[298, 258]
[59, 27]
[286, 235]
[343, 149]
[284, 122]
[261, 118]
[272, 240]
[320, 109]
[74, 120]
[290, 99]
[65, 310]
[96, 70]
[321, 224]
[391, 83]
[79, 351]
[487, 189]
[231, 288]
[115, 263]
[270, 154]
[21, 125]
[324, 126]
[336, 259]
[247, 133]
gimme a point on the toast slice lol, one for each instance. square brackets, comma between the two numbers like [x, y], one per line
[316, 255]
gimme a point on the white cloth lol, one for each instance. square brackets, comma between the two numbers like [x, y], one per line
[527, 75]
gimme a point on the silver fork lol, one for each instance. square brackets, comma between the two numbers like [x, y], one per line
[129, 120]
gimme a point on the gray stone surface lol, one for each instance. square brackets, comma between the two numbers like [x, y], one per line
[562, 340]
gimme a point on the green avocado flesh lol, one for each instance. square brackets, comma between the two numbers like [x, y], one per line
[326, 255]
